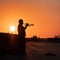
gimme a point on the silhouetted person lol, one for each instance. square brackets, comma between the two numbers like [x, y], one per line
[21, 35]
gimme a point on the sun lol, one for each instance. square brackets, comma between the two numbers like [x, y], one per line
[12, 28]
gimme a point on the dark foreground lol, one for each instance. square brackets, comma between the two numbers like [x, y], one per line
[34, 50]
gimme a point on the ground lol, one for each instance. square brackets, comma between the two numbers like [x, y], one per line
[36, 51]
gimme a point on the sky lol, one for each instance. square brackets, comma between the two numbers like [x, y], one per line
[44, 14]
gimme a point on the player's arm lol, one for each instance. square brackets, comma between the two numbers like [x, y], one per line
[26, 25]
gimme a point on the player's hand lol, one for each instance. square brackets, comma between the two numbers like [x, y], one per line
[27, 24]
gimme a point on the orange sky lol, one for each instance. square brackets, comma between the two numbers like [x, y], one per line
[45, 15]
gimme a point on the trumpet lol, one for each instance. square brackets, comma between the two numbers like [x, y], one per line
[29, 24]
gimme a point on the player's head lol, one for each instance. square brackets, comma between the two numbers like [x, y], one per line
[20, 21]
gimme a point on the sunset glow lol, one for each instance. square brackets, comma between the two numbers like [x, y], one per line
[44, 14]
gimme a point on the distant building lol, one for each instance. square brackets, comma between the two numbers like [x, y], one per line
[35, 38]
